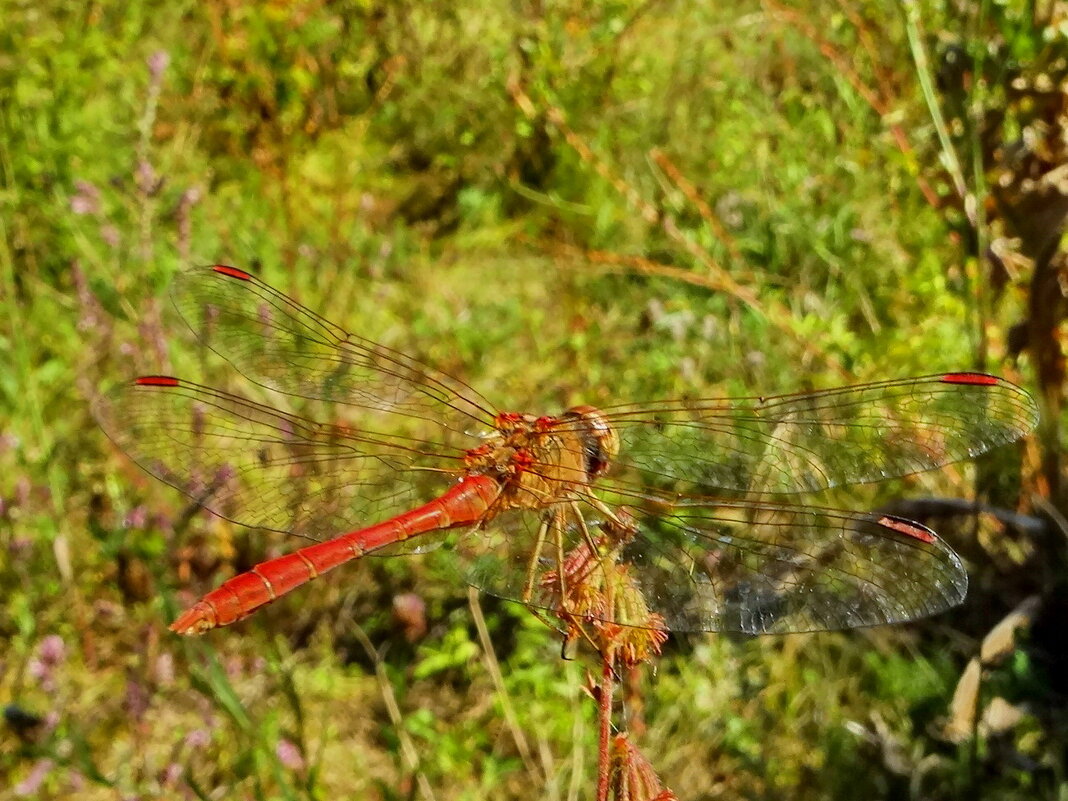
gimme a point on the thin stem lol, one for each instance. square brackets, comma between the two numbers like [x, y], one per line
[608, 679]
[975, 113]
[494, 670]
[930, 96]
[409, 753]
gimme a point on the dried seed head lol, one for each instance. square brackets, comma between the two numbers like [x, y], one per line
[632, 778]
[599, 591]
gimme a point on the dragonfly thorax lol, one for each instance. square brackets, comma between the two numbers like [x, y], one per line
[600, 442]
[542, 460]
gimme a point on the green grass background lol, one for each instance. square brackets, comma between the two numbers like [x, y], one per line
[496, 191]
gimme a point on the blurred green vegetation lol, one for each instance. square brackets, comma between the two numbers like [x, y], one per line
[557, 202]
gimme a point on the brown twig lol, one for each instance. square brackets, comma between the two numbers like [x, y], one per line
[595, 591]
[719, 230]
[646, 210]
[775, 312]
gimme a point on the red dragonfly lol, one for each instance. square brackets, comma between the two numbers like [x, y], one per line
[421, 457]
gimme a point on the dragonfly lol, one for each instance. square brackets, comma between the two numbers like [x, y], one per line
[696, 499]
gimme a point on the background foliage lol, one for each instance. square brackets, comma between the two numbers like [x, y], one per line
[558, 202]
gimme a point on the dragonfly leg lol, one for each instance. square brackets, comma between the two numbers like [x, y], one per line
[532, 567]
[596, 558]
[603, 508]
[576, 622]
[558, 532]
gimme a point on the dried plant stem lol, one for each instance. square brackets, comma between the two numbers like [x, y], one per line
[494, 670]
[692, 194]
[604, 753]
[408, 749]
[646, 210]
[774, 311]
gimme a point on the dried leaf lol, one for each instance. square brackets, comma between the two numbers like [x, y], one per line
[963, 706]
[1000, 642]
[1000, 717]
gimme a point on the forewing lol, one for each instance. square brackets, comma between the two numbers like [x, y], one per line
[812, 441]
[264, 468]
[276, 342]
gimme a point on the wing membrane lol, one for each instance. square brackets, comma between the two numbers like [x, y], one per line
[753, 568]
[765, 568]
[261, 467]
[276, 342]
[813, 441]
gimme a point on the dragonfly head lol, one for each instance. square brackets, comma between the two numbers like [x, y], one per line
[600, 442]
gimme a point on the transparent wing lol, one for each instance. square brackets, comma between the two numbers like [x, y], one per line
[816, 440]
[754, 568]
[261, 467]
[767, 568]
[276, 342]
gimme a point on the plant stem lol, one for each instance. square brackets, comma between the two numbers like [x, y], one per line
[608, 677]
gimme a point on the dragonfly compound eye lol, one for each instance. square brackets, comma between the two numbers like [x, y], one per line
[599, 440]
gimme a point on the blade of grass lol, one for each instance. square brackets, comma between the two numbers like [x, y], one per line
[923, 75]
[408, 749]
[493, 667]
